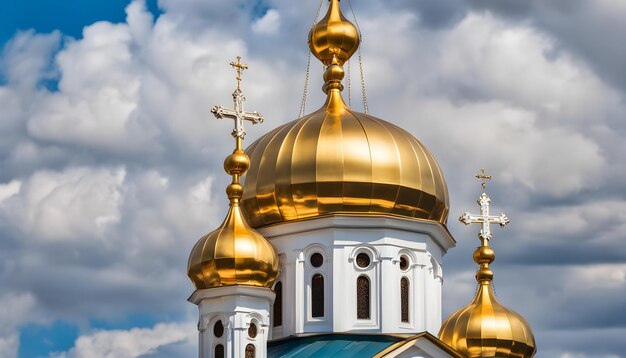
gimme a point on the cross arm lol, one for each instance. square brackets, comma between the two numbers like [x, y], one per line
[221, 112]
[254, 117]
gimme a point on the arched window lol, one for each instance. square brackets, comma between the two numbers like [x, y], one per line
[252, 331]
[404, 299]
[278, 304]
[250, 351]
[362, 298]
[219, 351]
[317, 296]
[218, 329]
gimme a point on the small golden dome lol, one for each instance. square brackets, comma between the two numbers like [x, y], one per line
[338, 161]
[334, 36]
[485, 328]
[234, 254]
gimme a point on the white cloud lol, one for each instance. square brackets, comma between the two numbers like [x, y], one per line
[268, 24]
[26, 58]
[67, 206]
[15, 309]
[9, 189]
[130, 343]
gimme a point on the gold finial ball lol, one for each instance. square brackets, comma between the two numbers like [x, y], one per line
[234, 190]
[334, 73]
[484, 254]
[237, 163]
[334, 37]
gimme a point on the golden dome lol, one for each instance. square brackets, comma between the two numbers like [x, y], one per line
[235, 253]
[485, 328]
[338, 161]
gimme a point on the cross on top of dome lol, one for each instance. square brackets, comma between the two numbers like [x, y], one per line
[238, 114]
[484, 218]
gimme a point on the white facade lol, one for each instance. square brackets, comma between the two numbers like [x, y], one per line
[236, 309]
[389, 243]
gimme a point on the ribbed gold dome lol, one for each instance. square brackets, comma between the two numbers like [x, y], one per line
[234, 254]
[485, 328]
[336, 161]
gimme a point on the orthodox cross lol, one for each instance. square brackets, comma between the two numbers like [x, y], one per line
[484, 218]
[238, 114]
[483, 176]
[240, 68]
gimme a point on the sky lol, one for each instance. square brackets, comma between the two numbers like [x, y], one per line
[111, 164]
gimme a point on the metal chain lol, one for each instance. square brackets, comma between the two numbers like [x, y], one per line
[308, 68]
[493, 287]
[356, 22]
[349, 87]
[306, 87]
[365, 108]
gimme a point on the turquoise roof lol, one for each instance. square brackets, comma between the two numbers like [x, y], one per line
[330, 345]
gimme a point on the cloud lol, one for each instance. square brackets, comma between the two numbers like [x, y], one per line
[66, 206]
[16, 308]
[108, 178]
[131, 343]
[268, 24]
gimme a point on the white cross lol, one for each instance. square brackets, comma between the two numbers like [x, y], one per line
[238, 114]
[484, 218]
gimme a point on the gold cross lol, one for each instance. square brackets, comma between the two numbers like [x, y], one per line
[484, 177]
[240, 68]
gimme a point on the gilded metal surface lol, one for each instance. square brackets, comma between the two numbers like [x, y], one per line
[336, 160]
[485, 328]
[235, 253]
[334, 36]
[340, 161]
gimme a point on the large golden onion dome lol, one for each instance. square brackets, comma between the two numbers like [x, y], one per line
[485, 328]
[339, 161]
[234, 253]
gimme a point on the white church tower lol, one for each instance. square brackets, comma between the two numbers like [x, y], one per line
[356, 209]
[234, 267]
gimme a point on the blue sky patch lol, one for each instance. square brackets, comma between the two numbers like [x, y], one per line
[67, 16]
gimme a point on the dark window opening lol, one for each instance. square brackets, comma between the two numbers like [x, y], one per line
[362, 298]
[404, 263]
[219, 351]
[250, 351]
[317, 296]
[218, 329]
[404, 299]
[317, 260]
[278, 305]
[363, 260]
[252, 330]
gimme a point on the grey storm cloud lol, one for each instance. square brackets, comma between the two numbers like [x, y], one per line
[107, 181]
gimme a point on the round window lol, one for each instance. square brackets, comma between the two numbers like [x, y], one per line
[404, 263]
[317, 260]
[363, 260]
